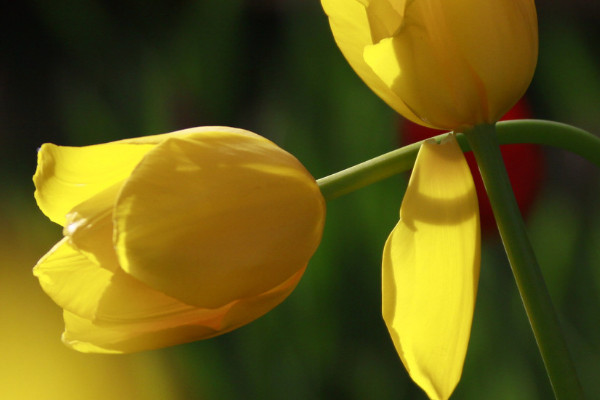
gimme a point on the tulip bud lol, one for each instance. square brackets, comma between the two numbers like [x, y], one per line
[445, 64]
[175, 237]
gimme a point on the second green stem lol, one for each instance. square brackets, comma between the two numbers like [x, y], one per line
[536, 299]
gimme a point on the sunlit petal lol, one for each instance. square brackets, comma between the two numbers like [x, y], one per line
[217, 216]
[351, 29]
[96, 294]
[431, 266]
[89, 228]
[67, 176]
[84, 284]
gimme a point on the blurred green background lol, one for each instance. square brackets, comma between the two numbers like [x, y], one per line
[79, 72]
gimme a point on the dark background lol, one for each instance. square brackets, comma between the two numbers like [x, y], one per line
[79, 72]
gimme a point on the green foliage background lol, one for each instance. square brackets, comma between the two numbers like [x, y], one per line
[83, 72]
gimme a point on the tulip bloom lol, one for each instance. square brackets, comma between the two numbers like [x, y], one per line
[452, 65]
[173, 238]
[446, 64]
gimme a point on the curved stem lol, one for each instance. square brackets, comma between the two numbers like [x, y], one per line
[522, 131]
[528, 276]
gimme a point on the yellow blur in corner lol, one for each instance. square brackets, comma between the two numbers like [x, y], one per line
[37, 366]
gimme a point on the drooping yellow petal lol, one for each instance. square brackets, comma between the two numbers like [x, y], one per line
[431, 266]
[67, 176]
[217, 216]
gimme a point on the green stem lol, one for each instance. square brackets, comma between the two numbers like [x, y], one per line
[537, 302]
[523, 131]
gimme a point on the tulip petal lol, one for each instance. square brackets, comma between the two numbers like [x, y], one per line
[83, 288]
[217, 216]
[108, 312]
[67, 176]
[88, 336]
[500, 44]
[89, 228]
[428, 71]
[71, 279]
[431, 266]
[352, 31]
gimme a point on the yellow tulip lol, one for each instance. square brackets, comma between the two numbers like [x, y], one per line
[446, 64]
[173, 238]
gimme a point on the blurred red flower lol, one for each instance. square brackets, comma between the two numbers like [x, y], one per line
[524, 163]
